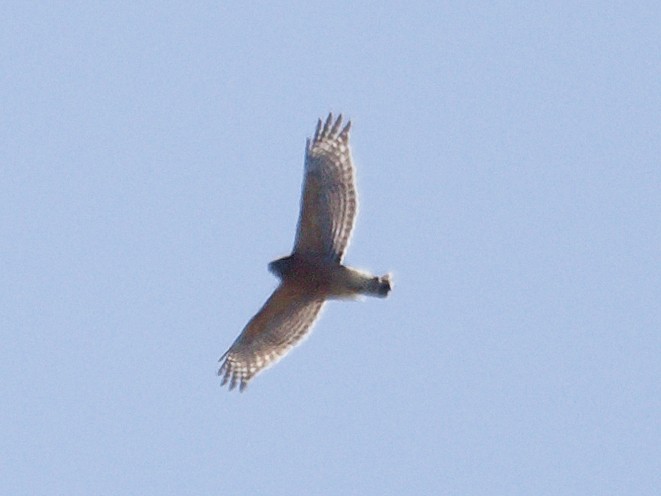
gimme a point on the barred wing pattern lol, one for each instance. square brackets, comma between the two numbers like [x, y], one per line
[328, 202]
[286, 317]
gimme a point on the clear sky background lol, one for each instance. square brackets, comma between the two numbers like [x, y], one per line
[508, 162]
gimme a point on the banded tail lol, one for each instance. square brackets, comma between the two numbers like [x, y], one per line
[378, 286]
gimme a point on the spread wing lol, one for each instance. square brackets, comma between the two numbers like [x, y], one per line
[328, 202]
[286, 317]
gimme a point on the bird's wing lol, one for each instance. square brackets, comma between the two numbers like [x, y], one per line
[286, 317]
[329, 200]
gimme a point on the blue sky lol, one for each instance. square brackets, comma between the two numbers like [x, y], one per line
[509, 176]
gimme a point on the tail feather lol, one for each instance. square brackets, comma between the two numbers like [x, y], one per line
[379, 286]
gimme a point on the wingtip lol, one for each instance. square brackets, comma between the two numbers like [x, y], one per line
[327, 124]
[345, 131]
[336, 126]
[331, 127]
[317, 131]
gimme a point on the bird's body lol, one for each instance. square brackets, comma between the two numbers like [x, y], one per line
[332, 280]
[314, 272]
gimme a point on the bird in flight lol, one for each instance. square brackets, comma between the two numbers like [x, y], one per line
[314, 272]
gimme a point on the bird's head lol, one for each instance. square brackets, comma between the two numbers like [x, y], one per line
[280, 266]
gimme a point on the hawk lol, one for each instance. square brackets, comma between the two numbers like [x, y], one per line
[314, 272]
